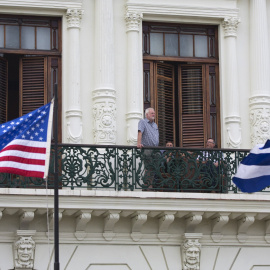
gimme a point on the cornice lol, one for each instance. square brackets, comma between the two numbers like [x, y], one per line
[98, 200]
[177, 10]
[53, 4]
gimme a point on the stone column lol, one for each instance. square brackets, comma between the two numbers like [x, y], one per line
[134, 76]
[74, 113]
[259, 73]
[232, 115]
[104, 94]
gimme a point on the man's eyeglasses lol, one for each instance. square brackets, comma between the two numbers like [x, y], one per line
[210, 142]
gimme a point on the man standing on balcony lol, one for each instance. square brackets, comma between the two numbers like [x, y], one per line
[148, 136]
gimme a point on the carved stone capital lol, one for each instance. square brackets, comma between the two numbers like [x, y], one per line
[259, 119]
[74, 17]
[133, 21]
[230, 25]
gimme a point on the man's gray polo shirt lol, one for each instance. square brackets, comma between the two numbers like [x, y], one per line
[150, 134]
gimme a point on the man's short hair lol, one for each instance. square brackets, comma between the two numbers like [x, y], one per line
[147, 111]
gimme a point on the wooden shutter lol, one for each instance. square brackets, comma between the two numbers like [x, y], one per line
[33, 83]
[3, 89]
[165, 102]
[191, 101]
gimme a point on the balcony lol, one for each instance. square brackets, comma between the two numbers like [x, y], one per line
[129, 168]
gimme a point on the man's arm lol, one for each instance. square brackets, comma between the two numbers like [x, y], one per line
[139, 139]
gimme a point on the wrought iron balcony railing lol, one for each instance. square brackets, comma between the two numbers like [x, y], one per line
[130, 168]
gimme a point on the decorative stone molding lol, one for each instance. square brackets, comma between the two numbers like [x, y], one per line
[74, 116]
[138, 219]
[74, 17]
[104, 111]
[162, 10]
[26, 216]
[230, 25]
[48, 5]
[218, 222]
[133, 21]
[24, 250]
[164, 222]
[191, 251]
[110, 218]
[259, 119]
[234, 137]
[243, 224]
[192, 220]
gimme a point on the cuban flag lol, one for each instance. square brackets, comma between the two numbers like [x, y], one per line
[253, 173]
[25, 143]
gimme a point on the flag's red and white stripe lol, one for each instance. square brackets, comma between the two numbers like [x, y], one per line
[24, 157]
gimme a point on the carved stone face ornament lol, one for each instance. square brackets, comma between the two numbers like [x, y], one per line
[24, 253]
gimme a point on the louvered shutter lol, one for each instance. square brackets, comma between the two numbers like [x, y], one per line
[3, 90]
[165, 102]
[192, 128]
[33, 83]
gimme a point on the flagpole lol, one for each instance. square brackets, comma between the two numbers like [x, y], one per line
[56, 199]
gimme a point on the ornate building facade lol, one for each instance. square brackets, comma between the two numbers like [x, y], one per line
[111, 60]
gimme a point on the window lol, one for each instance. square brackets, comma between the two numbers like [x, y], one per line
[181, 82]
[30, 64]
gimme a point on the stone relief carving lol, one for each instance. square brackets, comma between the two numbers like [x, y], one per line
[24, 250]
[230, 26]
[191, 254]
[259, 119]
[105, 122]
[74, 17]
[234, 131]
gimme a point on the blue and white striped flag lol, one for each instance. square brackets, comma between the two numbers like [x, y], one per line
[253, 173]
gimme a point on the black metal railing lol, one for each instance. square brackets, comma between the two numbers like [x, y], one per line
[130, 168]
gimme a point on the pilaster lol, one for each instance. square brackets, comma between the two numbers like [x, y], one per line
[232, 118]
[104, 94]
[74, 113]
[134, 75]
[259, 101]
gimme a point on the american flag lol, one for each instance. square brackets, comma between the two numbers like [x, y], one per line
[25, 143]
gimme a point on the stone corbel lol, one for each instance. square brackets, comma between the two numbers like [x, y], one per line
[26, 216]
[51, 218]
[138, 219]
[192, 220]
[164, 222]
[243, 224]
[1, 212]
[218, 222]
[82, 218]
[110, 218]
[267, 231]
